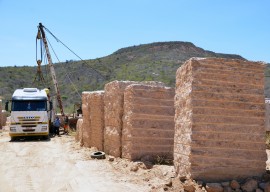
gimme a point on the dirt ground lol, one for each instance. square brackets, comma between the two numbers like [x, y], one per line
[60, 164]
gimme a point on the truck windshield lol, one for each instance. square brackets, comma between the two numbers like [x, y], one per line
[29, 106]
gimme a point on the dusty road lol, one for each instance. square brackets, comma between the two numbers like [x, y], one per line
[61, 165]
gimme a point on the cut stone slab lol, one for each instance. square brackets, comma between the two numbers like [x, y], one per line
[114, 110]
[148, 123]
[219, 119]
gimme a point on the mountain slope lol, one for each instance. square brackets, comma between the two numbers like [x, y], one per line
[155, 61]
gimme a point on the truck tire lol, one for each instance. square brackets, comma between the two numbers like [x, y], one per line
[46, 137]
[98, 155]
[13, 138]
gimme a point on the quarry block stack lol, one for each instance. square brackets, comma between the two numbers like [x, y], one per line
[267, 114]
[96, 102]
[86, 125]
[79, 131]
[148, 123]
[114, 111]
[1, 115]
[113, 105]
[219, 119]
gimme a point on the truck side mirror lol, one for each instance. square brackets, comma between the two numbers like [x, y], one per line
[51, 105]
[6, 106]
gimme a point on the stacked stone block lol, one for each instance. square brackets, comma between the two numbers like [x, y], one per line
[79, 132]
[267, 114]
[148, 128]
[219, 119]
[96, 102]
[113, 105]
[86, 125]
[1, 115]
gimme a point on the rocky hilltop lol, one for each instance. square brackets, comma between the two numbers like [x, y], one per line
[156, 61]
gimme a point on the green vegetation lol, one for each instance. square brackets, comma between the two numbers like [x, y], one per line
[149, 62]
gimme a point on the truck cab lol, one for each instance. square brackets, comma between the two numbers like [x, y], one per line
[31, 113]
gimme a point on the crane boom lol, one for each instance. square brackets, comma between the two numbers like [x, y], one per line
[43, 37]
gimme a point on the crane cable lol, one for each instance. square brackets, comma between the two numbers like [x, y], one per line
[67, 75]
[41, 50]
[58, 40]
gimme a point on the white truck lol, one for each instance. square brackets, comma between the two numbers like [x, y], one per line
[31, 113]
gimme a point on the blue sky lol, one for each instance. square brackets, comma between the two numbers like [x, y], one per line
[98, 28]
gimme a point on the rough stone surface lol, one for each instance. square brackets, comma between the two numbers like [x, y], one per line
[111, 158]
[226, 184]
[93, 119]
[189, 186]
[96, 107]
[148, 123]
[234, 184]
[214, 187]
[113, 105]
[78, 136]
[219, 120]
[227, 189]
[134, 167]
[250, 185]
[1, 119]
[4, 117]
[86, 125]
[262, 185]
[266, 177]
[267, 187]
[267, 114]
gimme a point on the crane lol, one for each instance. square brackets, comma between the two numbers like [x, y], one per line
[44, 43]
[41, 35]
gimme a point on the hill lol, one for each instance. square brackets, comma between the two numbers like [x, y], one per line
[156, 61]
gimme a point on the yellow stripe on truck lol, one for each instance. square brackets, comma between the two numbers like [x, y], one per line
[19, 123]
[27, 134]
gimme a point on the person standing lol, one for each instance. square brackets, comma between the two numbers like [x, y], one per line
[56, 125]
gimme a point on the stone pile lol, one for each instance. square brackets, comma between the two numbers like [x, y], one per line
[258, 184]
[148, 123]
[219, 120]
[96, 103]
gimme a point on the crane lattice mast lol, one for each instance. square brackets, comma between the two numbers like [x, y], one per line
[41, 35]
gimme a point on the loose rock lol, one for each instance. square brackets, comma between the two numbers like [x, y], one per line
[189, 186]
[111, 158]
[267, 187]
[134, 167]
[262, 185]
[214, 187]
[227, 189]
[169, 183]
[234, 184]
[238, 190]
[266, 177]
[226, 184]
[258, 190]
[250, 185]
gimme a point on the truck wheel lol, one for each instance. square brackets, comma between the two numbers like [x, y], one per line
[98, 155]
[46, 137]
[13, 138]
